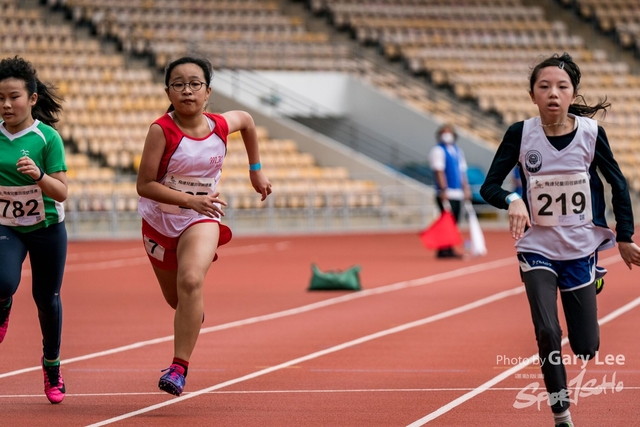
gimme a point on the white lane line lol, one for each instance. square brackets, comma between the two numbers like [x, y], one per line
[139, 250]
[610, 260]
[317, 354]
[132, 261]
[291, 312]
[336, 391]
[104, 265]
[497, 379]
[84, 255]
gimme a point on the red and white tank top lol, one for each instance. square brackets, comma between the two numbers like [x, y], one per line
[189, 164]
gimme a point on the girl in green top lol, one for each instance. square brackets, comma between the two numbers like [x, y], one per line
[33, 185]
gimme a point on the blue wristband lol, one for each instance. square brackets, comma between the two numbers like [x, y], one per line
[512, 198]
[255, 167]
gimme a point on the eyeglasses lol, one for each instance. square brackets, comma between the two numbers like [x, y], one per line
[194, 86]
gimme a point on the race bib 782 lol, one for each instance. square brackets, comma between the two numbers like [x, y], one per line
[21, 205]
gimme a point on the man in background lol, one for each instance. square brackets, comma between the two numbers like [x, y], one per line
[452, 186]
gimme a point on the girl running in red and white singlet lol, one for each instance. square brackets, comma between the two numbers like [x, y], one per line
[179, 171]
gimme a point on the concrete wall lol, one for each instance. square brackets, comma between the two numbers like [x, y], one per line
[337, 94]
[407, 125]
[326, 151]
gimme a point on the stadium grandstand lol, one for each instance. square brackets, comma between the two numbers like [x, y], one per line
[347, 94]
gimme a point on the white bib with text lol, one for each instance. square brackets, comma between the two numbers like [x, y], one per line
[21, 205]
[187, 184]
[560, 200]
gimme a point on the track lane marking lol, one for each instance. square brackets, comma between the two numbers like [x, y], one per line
[130, 261]
[352, 343]
[499, 378]
[291, 312]
[304, 391]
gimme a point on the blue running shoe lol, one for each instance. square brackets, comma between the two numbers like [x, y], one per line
[173, 381]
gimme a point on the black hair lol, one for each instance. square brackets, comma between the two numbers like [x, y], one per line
[203, 63]
[49, 103]
[444, 127]
[565, 62]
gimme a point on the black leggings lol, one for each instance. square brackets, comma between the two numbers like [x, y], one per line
[47, 248]
[580, 312]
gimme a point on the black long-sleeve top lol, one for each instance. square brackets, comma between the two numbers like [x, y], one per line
[506, 159]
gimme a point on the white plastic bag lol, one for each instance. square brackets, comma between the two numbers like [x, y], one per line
[478, 247]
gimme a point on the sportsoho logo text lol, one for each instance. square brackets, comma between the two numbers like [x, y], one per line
[535, 393]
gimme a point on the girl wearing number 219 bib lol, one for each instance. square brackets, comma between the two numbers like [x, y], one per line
[559, 223]
[179, 171]
[33, 185]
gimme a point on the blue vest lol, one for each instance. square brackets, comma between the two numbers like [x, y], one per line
[452, 166]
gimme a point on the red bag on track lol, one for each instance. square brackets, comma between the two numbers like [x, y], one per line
[442, 233]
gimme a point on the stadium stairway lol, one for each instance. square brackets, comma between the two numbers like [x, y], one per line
[320, 23]
[396, 185]
[343, 129]
[588, 31]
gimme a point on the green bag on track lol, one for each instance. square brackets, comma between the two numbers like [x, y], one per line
[335, 280]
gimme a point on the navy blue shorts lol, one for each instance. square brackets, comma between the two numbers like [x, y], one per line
[572, 274]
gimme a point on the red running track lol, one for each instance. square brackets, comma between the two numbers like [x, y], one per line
[426, 342]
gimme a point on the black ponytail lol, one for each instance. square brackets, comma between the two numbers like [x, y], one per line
[49, 103]
[48, 106]
[583, 109]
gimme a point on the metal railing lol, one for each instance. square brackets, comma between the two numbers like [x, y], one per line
[282, 102]
[385, 208]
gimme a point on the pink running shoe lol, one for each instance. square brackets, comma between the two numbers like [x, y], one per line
[4, 320]
[53, 384]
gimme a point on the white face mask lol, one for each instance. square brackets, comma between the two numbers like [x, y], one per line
[447, 138]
